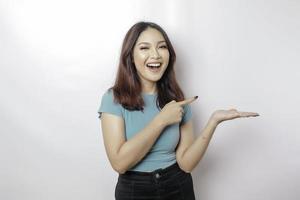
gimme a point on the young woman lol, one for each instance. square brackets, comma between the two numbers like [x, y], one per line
[146, 121]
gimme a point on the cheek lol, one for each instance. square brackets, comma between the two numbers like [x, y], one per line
[167, 57]
[140, 58]
[139, 63]
[165, 54]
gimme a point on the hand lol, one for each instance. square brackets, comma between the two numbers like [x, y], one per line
[173, 111]
[222, 115]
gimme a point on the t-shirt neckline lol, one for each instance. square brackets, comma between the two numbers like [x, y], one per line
[149, 94]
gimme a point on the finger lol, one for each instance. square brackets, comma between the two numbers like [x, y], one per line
[187, 101]
[248, 114]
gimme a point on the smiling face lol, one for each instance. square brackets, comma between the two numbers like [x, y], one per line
[150, 56]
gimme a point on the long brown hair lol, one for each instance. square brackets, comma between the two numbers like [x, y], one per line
[127, 88]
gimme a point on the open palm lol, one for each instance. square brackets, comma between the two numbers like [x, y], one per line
[223, 115]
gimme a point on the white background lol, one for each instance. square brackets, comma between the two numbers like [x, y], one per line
[58, 57]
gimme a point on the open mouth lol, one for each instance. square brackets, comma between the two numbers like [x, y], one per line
[153, 65]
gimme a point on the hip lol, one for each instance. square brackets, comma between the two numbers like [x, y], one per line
[168, 183]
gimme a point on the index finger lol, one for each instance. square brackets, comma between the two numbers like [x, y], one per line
[187, 101]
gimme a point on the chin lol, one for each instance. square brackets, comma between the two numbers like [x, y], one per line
[155, 79]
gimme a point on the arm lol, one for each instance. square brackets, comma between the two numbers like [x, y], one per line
[125, 154]
[190, 151]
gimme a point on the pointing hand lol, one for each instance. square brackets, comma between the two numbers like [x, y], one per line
[173, 111]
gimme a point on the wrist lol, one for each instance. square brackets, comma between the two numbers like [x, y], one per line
[159, 122]
[213, 122]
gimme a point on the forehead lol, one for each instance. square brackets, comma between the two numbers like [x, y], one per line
[150, 35]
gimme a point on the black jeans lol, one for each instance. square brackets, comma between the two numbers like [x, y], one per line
[170, 183]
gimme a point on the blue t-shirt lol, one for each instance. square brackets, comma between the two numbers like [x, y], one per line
[162, 153]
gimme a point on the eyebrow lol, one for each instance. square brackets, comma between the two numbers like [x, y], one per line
[149, 43]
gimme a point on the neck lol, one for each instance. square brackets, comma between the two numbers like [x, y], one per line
[149, 88]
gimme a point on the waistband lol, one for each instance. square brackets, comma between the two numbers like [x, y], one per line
[156, 174]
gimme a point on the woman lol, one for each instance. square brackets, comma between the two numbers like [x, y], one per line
[146, 121]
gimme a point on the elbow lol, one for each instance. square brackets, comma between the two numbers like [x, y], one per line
[118, 168]
[186, 169]
[116, 163]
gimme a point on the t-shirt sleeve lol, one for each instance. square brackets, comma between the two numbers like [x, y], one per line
[187, 114]
[108, 105]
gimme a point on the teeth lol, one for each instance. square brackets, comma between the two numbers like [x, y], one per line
[153, 65]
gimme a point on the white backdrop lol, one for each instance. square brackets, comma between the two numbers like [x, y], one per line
[58, 57]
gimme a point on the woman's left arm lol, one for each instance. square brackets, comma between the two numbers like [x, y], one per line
[190, 151]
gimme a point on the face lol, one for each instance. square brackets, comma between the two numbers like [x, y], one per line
[151, 55]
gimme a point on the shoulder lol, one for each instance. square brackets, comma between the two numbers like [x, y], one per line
[108, 96]
[109, 105]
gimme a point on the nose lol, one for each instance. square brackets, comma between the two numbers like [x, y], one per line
[155, 54]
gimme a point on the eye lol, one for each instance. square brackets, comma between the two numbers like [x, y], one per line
[163, 46]
[142, 48]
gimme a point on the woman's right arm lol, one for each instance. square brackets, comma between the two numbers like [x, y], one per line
[124, 154]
